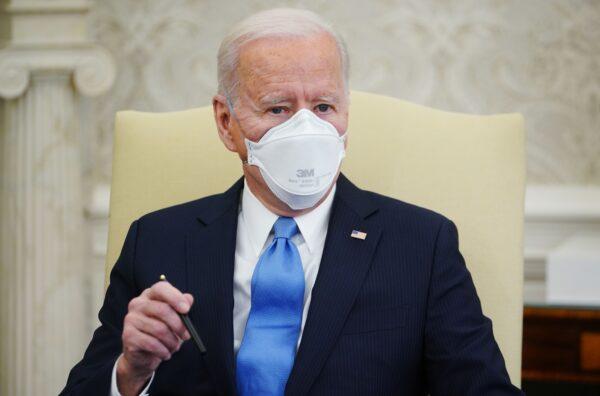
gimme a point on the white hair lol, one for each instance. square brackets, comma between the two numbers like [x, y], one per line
[276, 23]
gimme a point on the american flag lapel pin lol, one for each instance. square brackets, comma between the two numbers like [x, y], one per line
[358, 234]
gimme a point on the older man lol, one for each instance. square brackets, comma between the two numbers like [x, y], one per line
[298, 281]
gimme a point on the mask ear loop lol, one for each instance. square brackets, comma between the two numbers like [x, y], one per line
[230, 106]
[232, 111]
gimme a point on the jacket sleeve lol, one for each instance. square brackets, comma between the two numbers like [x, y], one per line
[462, 357]
[92, 375]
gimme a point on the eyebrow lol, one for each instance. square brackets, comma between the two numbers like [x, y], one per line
[328, 98]
[270, 99]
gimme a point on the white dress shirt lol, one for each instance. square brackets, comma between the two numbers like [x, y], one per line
[254, 235]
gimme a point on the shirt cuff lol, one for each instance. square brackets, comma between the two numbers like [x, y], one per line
[114, 390]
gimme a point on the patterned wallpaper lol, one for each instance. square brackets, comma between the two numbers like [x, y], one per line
[538, 57]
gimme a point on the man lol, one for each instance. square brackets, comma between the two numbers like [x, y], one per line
[297, 281]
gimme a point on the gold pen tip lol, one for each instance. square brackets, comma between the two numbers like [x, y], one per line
[163, 277]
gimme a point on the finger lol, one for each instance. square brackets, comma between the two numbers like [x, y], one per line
[156, 329]
[189, 298]
[165, 292]
[163, 312]
[138, 341]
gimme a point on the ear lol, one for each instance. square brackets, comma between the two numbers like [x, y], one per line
[224, 121]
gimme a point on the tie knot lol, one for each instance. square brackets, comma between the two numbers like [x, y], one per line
[285, 227]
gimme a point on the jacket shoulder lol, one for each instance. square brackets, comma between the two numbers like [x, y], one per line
[180, 217]
[406, 213]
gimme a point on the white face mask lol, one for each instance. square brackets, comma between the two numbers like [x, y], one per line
[299, 158]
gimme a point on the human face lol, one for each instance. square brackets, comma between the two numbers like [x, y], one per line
[277, 78]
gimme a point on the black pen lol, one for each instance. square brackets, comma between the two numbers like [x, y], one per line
[190, 327]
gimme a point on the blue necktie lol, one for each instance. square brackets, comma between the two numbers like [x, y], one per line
[268, 349]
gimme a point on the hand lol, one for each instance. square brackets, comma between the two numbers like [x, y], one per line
[152, 332]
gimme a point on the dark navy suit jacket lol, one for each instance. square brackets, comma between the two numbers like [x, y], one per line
[394, 314]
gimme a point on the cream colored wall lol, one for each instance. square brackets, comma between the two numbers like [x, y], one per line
[538, 57]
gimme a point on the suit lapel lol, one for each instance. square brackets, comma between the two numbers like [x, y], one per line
[343, 267]
[344, 264]
[210, 264]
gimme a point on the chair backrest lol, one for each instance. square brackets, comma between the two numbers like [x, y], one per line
[470, 168]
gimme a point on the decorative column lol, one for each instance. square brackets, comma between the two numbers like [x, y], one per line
[46, 65]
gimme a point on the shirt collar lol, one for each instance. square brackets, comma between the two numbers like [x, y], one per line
[259, 221]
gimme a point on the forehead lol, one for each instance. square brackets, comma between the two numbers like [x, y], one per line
[311, 63]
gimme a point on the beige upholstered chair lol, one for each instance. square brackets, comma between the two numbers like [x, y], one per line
[470, 168]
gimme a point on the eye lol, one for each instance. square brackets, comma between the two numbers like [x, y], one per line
[323, 108]
[277, 110]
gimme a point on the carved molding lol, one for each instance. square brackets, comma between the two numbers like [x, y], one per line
[92, 66]
[48, 61]
[44, 6]
[554, 215]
